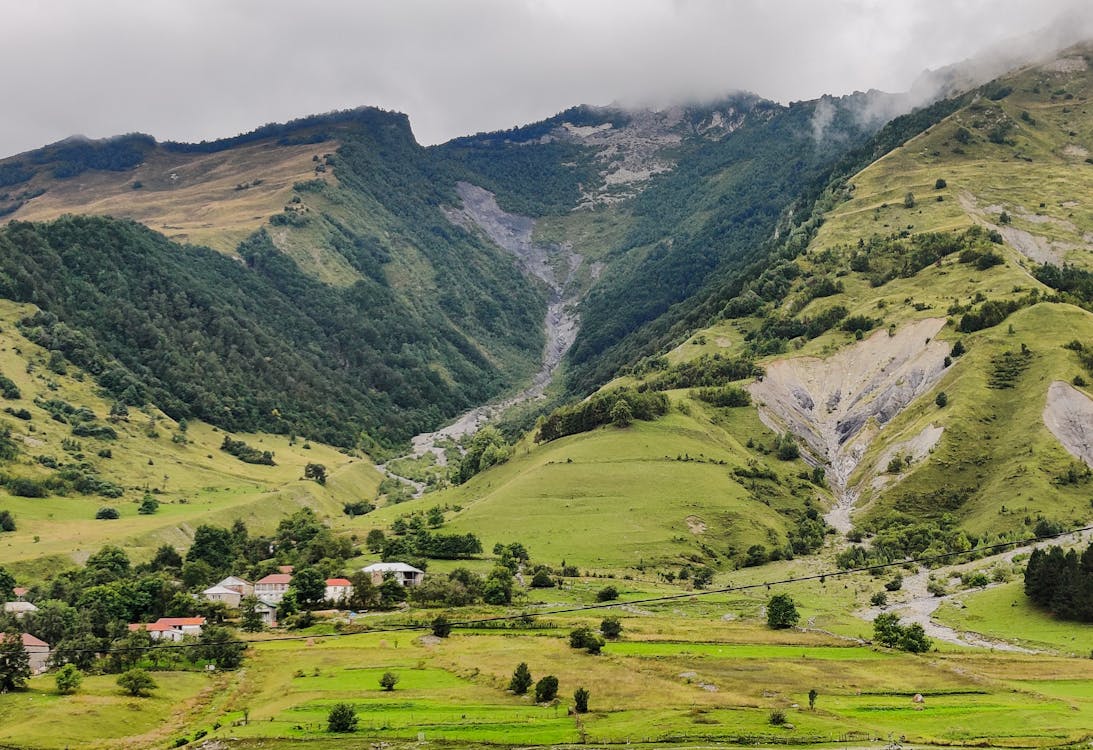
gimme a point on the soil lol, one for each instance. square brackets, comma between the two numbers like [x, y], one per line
[1069, 416]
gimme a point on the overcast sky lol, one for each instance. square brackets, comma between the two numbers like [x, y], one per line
[203, 69]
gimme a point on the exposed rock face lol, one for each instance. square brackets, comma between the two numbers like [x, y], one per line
[837, 406]
[1069, 416]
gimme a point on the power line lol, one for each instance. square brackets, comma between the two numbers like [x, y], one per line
[409, 627]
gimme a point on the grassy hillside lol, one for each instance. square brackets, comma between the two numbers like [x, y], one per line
[194, 481]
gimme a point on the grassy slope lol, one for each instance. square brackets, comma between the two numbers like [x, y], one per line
[197, 482]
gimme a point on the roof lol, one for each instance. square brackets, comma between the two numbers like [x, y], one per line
[29, 640]
[338, 582]
[391, 567]
[268, 604]
[220, 590]
[18, 607]
[282, 578]
[233, 581]
[149, 626]
[177, 622]
[20, 590]
[285, 568]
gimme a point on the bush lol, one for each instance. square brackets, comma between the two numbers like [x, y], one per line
[580, 700]
[879, 599]
[521, 679]
[777, 717]
[546, 689]
[607, 594]
[584, 637]
[542, 580]
[7, 521]
[441, 627]
[942, 400]
[940, 184]
[388, 681]
[107, 514]
[68, 679]
[782, 612]
[137, 683]
[611, 627]
[342, 718]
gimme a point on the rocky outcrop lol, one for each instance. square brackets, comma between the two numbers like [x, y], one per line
[1068, 415]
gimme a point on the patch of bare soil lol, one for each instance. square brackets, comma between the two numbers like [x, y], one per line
[1068, 415]
[838, 406]
[910, 452]
[696, 525]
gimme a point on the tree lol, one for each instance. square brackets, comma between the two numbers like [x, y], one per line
[886, 630]
[7, 585]
[251, 620]
[435, 517]
[813, 694]
[375, 540]
[310, 587]
[148, 505]
[7, 521]
[106, 513]
[621, 414]
[365, 595]
[580, 700]
[611, 627]
[68, 679]
[607, 594]
[316, 472]
[342, 718]
[137, 683]
[546, 689]
[909, 200]
[584, 637]
[941, 399]
[441, 627]
[166, 557]
[14, 662]
[391, 593]
[110, 563]
[542, 579]
[521, 679]
[914, 639]
[219, 646]
[388, 681]
[782, 612]
[213, 545]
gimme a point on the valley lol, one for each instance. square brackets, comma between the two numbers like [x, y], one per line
[746, 422]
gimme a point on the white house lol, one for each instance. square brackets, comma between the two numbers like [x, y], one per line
[338, 589]
[240, 586]
[19, 608]
[218, 593]
[171, 628]
[405, 574]
[273, 587]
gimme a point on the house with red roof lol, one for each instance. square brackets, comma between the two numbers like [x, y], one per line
[171, 628]
[38, 651]
[338, 590]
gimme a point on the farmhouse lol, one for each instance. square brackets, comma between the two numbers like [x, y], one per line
[338, 589]
[240, 586]
[218, 593]
[405, 574]
[273, 587]
[38, 651]
[171, 628]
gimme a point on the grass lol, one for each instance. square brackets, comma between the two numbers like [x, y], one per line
[1005, 612]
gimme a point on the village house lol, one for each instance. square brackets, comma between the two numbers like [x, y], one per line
[238, 585]
[268, 613]
[171, 628]
[19, 608]
[405, 574]
[38, 651]
[229, 597]
[273, 587]
[338, 590]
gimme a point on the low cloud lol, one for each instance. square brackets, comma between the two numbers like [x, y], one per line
[198, 69]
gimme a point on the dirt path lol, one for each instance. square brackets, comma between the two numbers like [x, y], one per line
[919, 605]
[553, 264]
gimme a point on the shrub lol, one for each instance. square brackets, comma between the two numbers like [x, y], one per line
[607, 594]
[388, 681]
[148, 505]
[940, 184]
[7, 521]
[584, 637]
[137, 683]
[941, 399]
[879, 599]
[68, 679]
[546, 689]
[611, 627]
[441, 627]
[107, 513]
[909, 200]
[542, 580]
[342, 718]
[778, 717]
[580, 700]
[521, 679]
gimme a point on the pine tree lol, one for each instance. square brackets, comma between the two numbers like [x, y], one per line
[521, 679]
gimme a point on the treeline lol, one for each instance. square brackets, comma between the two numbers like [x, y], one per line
[1062, 582]
[598, 410]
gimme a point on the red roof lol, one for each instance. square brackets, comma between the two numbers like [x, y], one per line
[149, 626]
[285, 568]
[29, 640]
[282, 578]
[20, 591]
[338, 582]
[177, 622]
